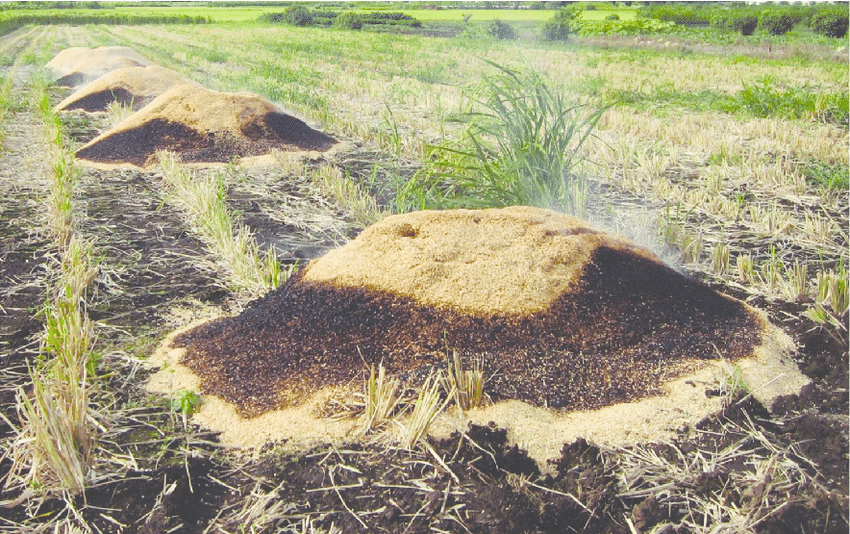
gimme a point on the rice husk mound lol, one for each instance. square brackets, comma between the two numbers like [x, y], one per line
[563, 315]
[129, 86]
[203, 126]
[77, 66]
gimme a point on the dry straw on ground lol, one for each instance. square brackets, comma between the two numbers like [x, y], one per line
[623, 346]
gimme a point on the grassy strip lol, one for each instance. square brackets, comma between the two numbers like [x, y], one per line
[53, 448]
[347, 194]
[5, 104]
[761, 98]
[203, 200]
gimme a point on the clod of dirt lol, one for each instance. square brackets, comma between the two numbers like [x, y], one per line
[203, 126]
[563, 315]
[130, 86]
[77, 66]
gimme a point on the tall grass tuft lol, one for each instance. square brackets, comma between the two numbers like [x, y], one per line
[348, 194]
[467, 385]
[427, 406]
[5, 103]
[519, 148]
[382, 399]
[60, 201]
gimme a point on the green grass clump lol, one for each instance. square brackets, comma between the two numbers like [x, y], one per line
[763, 99]
[834, 177]
[467, 385]
[381, 399]
[519, 148]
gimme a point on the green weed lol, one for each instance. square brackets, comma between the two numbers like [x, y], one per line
[763, 98]
[186, 402]
[832, 177]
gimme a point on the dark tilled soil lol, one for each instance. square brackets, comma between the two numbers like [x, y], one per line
[24, 256]
[148, 260]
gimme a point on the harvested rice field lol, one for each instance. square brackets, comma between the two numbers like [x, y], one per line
[261, 278]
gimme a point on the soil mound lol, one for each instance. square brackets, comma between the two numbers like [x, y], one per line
[203, 126]
[77, 66]
[562, 315]
[129, 86]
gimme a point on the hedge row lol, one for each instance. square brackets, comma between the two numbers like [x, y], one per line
[830, 20]
[10, 21]
[302, 16]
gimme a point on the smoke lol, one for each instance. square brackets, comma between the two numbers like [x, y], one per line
[639, 225]
[617, 212]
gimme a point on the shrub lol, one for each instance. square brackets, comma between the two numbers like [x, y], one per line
[324, 18]
[613, 16]
[558, 27]
[775, 21]
[275, 18]
[746, 24]
[392, 19]
[298, 16]
[502, 30]
[831, 23]
[349, 21]
[721, 20]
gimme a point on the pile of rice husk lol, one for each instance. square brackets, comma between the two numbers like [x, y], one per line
[130, 86]
[76, 66]
[563, 315]
[203, 126]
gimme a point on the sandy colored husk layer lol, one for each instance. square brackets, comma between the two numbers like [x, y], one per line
[76, 66]
[515, 260]
[203, 126]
